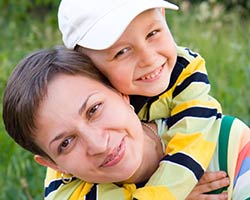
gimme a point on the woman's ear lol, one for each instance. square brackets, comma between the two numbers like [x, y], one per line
[46, 162]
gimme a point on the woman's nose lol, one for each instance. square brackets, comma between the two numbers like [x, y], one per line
[96, 141]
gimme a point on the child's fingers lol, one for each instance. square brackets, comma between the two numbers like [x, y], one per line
[209, 182]
[222, 196]
[211, 186]
[212, 176]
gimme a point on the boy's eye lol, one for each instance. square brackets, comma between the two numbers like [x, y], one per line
[121, 52]
[154, 32]
[93, 110]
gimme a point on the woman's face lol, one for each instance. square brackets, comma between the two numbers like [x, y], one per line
[89, 130]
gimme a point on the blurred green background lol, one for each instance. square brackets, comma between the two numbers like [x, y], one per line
[219, 30]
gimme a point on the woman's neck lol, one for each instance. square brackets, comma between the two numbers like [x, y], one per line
[152, 155]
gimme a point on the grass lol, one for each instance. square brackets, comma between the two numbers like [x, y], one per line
[223, 41]
[22, 178]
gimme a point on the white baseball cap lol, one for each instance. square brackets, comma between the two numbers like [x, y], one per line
[98, 24]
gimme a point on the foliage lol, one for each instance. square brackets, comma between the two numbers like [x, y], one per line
[22, 178]
[242, 6]
[21, 10]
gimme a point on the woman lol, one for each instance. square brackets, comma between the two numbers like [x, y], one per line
[94, 137]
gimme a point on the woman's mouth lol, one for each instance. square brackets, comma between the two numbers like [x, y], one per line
[115, 156]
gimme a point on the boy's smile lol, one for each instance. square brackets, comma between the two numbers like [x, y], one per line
[141, 60]
[152, 75]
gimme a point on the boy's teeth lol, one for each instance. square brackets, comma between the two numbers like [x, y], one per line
[152, 75]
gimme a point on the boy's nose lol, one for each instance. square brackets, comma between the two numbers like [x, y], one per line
[146, 57]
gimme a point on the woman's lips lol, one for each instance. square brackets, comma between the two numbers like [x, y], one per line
[115, 156]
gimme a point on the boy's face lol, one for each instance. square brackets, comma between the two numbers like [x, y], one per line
[89, 130]
[141, 61]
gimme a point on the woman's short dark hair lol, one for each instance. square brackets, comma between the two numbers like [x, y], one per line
[27, 86]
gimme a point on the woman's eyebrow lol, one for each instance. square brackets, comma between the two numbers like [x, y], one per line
[58, 137]
[80, 111]
[84, 105]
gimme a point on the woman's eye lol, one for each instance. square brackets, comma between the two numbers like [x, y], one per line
[121, 52]
[154, 32]
[93, 110]
[65, 144]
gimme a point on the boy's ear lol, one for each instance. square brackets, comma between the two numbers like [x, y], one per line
[46, 162]
[126, 98]
[163, 11]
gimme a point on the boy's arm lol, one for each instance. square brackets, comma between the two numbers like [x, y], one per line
[192, 119]
[181, 168]
[191, 108]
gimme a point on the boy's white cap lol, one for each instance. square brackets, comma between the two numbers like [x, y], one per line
[97, 24]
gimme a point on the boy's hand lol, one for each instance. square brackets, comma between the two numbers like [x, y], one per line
[210, 181]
